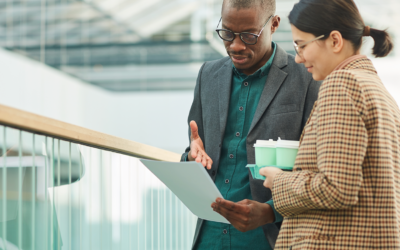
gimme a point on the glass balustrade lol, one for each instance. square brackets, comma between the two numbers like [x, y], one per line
[56, 194]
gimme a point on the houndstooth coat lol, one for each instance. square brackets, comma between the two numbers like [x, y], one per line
[344, 192]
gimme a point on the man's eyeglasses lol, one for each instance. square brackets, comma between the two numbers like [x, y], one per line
[299, 47]
[246, 37]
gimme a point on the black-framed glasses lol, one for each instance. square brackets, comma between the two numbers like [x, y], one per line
[246, 37]
[299, 47]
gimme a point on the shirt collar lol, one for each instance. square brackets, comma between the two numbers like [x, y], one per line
[261, 72]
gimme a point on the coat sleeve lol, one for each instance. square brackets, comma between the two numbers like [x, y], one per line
[195, 113]
[312, 95]
[341, 146]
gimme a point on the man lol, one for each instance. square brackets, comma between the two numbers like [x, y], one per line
[257, 93]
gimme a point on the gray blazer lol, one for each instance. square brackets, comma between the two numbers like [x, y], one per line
[285, 104]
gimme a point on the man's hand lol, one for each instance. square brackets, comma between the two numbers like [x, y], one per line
[269, 173]
[197, 152]
[244, 215]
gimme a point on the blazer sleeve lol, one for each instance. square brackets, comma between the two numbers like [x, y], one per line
[312, 96]
[341, 145]
[195, 113]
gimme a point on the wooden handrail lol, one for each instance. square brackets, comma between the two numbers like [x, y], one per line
[46, 126]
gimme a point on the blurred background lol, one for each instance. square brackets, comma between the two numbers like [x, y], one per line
[128, 67]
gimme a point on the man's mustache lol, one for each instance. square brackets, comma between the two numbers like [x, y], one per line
[238, 54]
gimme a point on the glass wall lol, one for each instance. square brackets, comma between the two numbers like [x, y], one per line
[118, 45]
[141, 45]
[56, 194]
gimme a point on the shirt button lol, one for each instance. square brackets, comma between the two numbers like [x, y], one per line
[241, 108]
[237, 134]
[231, 156]
[226, 181]
[246, 84]
[225, 231]
[213, 172]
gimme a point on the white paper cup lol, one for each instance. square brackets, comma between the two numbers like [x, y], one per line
[286, 152]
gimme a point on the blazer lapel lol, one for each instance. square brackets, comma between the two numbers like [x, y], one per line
[275, 79]
[224, 76]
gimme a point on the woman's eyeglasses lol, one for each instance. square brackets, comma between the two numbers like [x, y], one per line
[246, 37]
[299, 47]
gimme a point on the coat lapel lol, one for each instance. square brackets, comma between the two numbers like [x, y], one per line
[224, 76]
[275, 79]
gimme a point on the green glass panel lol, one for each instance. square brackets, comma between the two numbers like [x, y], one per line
[58, 195]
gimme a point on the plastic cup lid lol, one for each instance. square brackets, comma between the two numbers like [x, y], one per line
[263, 143]
[287, 144]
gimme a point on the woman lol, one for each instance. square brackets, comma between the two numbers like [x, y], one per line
[344, 191]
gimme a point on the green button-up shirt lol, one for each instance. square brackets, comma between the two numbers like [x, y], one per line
[233, 178]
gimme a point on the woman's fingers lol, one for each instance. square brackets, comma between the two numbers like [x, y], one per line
[263, 171]
[267, 183]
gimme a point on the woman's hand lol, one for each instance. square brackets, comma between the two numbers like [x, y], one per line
[269, 173]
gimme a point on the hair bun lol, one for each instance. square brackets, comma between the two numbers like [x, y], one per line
[367, 31]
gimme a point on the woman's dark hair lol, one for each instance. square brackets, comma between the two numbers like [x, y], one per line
[321, 17]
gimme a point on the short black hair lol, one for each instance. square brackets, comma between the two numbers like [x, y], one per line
[268, 6]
